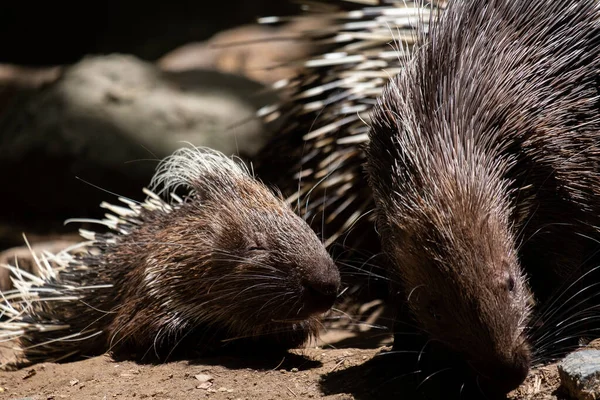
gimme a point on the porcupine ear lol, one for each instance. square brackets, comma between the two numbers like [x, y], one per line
[198, 170]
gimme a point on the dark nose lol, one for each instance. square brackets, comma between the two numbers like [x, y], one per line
[321, 289]
[508, 373]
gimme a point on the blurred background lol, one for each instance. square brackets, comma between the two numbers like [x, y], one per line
[93, 94]
[48, 33]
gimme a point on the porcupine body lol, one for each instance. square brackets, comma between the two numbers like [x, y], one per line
[484, 165]
[226, 265]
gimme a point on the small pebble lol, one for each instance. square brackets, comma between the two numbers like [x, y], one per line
[205, 381]
[294, 369]
[204, 385]
[580, 374]
[29, 374]
[204, 378]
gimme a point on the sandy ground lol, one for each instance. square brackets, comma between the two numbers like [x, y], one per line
[103, 378]
[311, 373]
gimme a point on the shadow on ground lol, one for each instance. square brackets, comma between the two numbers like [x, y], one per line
[392, 375]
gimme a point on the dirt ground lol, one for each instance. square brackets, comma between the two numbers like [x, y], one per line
[103, 378]
[326, 371]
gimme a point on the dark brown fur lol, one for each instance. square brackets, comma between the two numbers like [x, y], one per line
[231, 264]
[484, 163]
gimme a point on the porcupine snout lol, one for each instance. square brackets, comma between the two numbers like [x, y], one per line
[508, 372]
[321, 284]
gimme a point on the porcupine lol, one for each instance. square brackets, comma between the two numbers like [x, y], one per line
[482, 156]
[223, 265]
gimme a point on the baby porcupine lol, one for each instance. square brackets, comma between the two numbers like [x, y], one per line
[227, 264]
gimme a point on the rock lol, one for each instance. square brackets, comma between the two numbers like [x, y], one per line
[206, 381]
[102, 121]
[103, 101]
[580, 374]
[259, 52]
[204, 378]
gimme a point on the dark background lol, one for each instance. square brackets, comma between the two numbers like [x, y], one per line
[49, 33]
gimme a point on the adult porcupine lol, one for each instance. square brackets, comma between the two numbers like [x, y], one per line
[228, 261]
[501, 98]
[484, 163]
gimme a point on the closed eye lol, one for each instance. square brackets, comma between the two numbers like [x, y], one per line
[256, 248]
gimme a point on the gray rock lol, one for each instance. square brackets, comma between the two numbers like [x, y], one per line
[101, 99]
[580, 374]
[107, 120]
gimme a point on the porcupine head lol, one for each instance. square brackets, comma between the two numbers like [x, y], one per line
[444, 220]
[446, 234]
